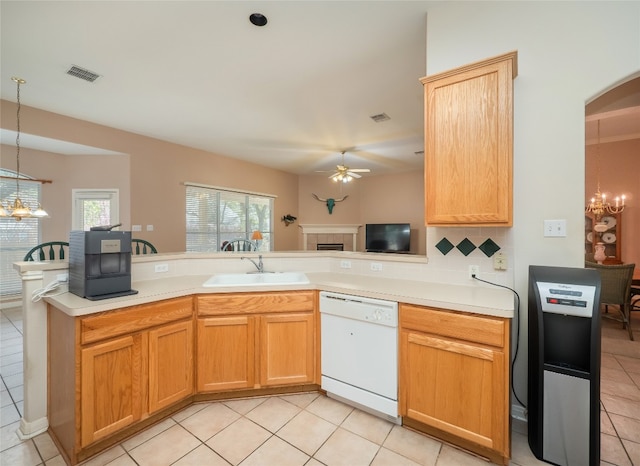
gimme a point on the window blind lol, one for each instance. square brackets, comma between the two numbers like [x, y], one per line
[218, 215]
[16, 237]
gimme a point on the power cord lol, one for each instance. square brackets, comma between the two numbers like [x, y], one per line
[37, 295]
[515, 356]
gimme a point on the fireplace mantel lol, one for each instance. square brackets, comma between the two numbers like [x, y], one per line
[309, 229]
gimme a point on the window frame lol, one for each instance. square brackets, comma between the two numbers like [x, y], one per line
[196, 226]
[80, 195]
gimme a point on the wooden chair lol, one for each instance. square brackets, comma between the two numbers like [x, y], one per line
[616, 290]
[239, 245]
[52, 250]
[141, 246]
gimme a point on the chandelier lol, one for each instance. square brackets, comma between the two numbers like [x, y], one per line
[17, 209]
[599, 204]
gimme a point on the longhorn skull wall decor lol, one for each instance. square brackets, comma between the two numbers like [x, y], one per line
[331, 202]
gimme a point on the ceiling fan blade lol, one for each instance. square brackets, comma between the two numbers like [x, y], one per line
[354, 175]
[360, 170]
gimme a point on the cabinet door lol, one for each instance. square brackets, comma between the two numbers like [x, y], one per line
[287, 349]
[111, 387]
[456, 387]
[170, 364]
[226, 353]
[469, 144]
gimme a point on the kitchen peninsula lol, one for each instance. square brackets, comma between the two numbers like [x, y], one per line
[474, 320]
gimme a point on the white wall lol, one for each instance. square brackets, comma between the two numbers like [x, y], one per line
[568, 54]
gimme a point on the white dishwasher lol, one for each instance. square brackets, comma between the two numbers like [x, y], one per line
[360, 352]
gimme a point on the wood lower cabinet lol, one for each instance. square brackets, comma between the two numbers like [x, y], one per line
[170, 364]
[255, 340]
[226, 353]
[287, 349]
[112, 370]
[454, 378]
[111, 387]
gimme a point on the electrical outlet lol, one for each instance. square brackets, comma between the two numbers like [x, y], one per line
[376, 266]
[474, 270]
[500, 261]
[345, 264]
[162, 268]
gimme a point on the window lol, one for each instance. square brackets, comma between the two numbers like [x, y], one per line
[16, 237]
[93, 207]
[216, 215]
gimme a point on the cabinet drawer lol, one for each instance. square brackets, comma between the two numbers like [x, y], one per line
[134, 318]
[468, 327]
[249, 303]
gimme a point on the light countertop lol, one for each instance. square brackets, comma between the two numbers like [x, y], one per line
[493, 301]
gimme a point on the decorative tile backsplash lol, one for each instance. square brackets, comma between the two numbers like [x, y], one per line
[466, 247]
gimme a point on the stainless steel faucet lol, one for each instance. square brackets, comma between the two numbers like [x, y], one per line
[259, 265]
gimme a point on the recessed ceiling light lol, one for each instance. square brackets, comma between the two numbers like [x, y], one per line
[258, 19]
[380, 117]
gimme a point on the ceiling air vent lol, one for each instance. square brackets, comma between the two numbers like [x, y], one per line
[82, 73]
[380, 117]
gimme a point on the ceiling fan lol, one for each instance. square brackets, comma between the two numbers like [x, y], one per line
[345, 174]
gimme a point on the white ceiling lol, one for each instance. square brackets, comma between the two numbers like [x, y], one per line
[290, 95]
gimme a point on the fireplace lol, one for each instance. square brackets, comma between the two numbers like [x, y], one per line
[330, 247]
[316, 235]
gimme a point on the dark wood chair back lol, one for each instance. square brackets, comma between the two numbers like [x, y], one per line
[141, 246]
[50, 251]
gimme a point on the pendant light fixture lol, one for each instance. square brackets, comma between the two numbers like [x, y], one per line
[17, 209]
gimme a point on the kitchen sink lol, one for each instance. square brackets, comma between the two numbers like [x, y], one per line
[257, 279]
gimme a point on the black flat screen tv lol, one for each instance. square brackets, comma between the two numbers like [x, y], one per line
[387, 237]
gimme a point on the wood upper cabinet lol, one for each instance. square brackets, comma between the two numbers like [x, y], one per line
[454, 377]
[253, 340]
[469, 144]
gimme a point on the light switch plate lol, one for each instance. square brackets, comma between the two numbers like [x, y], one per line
[555, 228]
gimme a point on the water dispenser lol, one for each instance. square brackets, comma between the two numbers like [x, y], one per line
[564, 365]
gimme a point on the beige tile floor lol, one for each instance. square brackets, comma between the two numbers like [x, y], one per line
[310, 429]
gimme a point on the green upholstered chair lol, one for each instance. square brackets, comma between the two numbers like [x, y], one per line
[50, 251]
[141, 246]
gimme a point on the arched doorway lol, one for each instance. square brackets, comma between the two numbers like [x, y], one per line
[612, 157]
